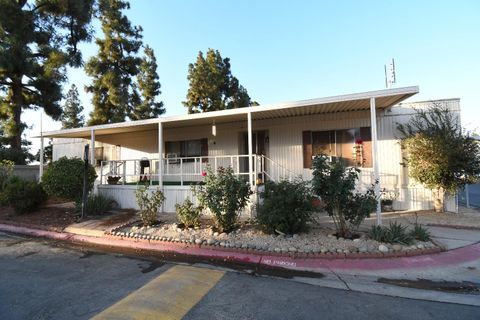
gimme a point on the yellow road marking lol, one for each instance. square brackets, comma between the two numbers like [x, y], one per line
[169, 296]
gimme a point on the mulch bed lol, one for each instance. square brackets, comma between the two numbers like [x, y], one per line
[51, 218]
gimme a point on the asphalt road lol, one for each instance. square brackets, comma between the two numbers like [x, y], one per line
[41, 279]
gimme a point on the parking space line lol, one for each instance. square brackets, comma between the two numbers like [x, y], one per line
[169, 296]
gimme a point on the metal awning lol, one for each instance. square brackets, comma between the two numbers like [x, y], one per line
[342, 103]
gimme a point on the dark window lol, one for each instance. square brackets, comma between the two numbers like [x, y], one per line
[187, 148]
[352, 146]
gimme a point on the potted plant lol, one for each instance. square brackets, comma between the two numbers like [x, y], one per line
[386, 199]
[113, 179]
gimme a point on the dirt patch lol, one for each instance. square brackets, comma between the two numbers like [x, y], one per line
[51, 218]
[123, 216]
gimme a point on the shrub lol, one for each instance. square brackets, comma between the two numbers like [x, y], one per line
[6, 171]
[378, 233]
[64, 178]
[96, 204]
[287, 207]
[24, 196]
[397, 233]
[225, 195]
[394, 233]
[420, 233]
[188, 214]
[149, 203]
[335, 185]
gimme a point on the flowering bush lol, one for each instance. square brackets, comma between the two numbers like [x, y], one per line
[149, 203]
[225, 195]
[335, 185]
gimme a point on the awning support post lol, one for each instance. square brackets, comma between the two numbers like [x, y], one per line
[42, 149]
[160, 154]
[250, 149]
[92, 147]
[376, 175]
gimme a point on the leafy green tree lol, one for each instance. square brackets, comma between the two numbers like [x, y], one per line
[47, 153]
[144, 105]
[115, 65]
[72, 111]
[38, 39]
[22, 156]
[212, 85]
[439, 154]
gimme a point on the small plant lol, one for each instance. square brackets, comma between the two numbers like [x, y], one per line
[397, 233]
[420, 233]
[64, 178]
[287, 207]
[225, 195]
[378, 233]
[24, 196]
[97, 204]
[188, 214]
[149, 204]
[335, 185]
[394, 233]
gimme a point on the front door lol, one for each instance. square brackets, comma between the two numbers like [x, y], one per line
[259, 147]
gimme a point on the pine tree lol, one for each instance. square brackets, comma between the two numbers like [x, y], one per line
[212, 85]
[72, 111]
[115, 65]
[38, 39]
[148, 84]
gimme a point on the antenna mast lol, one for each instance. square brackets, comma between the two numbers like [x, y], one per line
[390, 75]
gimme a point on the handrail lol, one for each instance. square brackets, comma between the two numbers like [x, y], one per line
[286, 173]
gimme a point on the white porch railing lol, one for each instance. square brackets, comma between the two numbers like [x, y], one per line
[189, 170]
[176, 171]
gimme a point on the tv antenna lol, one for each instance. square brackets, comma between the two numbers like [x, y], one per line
[390, 76]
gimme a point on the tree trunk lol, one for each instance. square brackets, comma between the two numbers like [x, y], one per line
[17, 102]
[439, 200]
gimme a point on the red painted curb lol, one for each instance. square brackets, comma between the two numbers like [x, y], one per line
[321, 262]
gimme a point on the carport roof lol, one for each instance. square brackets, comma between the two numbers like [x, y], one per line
[342, 103]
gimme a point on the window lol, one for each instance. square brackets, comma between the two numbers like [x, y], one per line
[187, 148]
[352, 146]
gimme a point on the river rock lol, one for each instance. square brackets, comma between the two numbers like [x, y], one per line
[382, 248]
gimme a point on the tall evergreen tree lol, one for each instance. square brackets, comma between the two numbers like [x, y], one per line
[72, 111]
[144, 105]
[115, 65]
[38, 39]
[212, 85]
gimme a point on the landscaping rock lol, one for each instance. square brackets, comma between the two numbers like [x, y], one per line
[198, 241]
[382, 248]
[397, 247]
[210, 241]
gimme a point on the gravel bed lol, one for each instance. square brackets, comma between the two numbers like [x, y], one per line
[317, 240]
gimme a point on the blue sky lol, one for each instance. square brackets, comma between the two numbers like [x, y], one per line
[293, 50]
